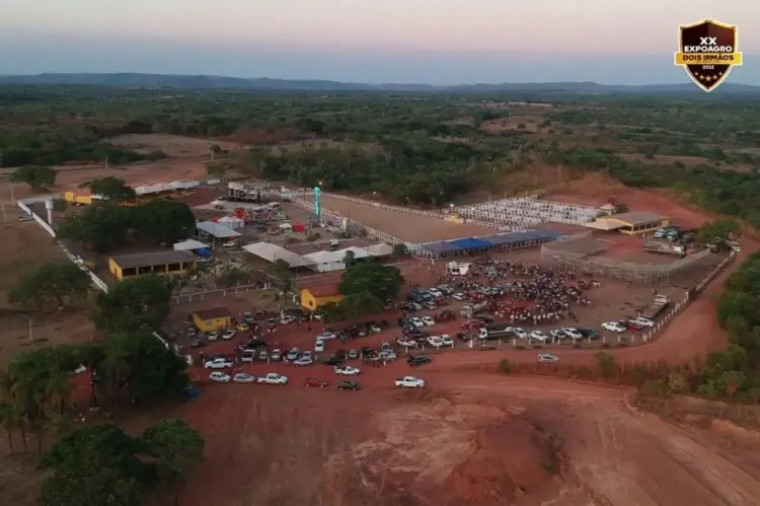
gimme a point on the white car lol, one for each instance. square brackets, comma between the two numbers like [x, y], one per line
[643, 321]
[406, 343]
[242, 377]
[213, 335]
[229, 334]
[218, 363]
[614, 327]
[81, 369]
[219, 376]
[416, 321]
[410, 382]
[459, 296]
[428, 320]
[387, 355]
[319, 346]
[293, 354]
[346, 370]
[435, 341]
[572, 333]
[447, 340]
[547, 358]
[303, 360]
[558, 334]
[520, 333]
[273, 378]
[538, 335]
[435, 292]
[287, 319]
[326, 336]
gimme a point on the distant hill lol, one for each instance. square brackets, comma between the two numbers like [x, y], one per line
[135, 80]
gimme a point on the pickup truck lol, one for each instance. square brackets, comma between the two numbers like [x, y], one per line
[218, 363]
[410, 382]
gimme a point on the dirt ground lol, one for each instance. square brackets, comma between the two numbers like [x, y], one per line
[25, 246]
[408, 227]
[173, 145]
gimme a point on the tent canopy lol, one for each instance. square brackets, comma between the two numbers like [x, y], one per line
[217, 230]
[271, 253]
[189, 245]
[471, 243]
[443, 247]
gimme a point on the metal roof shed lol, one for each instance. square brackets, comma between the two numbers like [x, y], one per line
[189, 245]
[271, 253]
[472, 244]
[380, 250]
[216, 230]
[443, 247]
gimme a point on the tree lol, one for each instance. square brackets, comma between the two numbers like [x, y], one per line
[718, 232]
[139, 302]
[112, 188]
[176, 446]
[95, 464]
[9, 420]
[349, 259]
[400, 250]
[36, 176]
[163, 222]
[102, 226]
[58, 283]
[138, 367]
[360, 304]
[382, 281]
[283, 275]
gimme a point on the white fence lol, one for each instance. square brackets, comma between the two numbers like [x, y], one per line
[196, 296]
[99, 283]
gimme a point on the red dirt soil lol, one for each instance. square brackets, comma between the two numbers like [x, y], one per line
[406, 226]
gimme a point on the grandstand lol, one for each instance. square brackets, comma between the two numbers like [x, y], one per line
[528, 213]
[505, 241]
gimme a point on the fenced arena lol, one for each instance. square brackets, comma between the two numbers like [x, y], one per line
[582, 253]
[528, 213]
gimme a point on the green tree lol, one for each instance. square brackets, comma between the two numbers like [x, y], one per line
[718, 232]
[137, 367]
[103, 226]
[52, 283]
[400, 251]
[9, 420]
[132, 304]
[349, 259]
[360, 304]
[36, 176]
[163, 221]
[112, 188]
[176, 446]
[605, 364]
[382, 281]
[84, 482]
[677, 383]
[280, 269]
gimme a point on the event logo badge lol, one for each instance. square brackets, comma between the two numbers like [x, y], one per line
[708, 51]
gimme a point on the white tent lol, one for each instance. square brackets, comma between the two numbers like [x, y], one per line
[216, 230]
[231, 222]
[272, 252]
[189, 245]
[327, 261]
[380, 250]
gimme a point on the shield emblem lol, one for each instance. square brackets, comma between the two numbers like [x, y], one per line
[712, 47]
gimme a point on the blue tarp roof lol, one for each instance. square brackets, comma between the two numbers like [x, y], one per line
[443, 247]
[471, 243]
[515, 237]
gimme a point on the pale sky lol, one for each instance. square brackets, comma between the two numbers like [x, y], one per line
[433, 41]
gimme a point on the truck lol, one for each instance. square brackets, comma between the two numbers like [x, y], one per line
[410, 382]
[468, 310]
[655, 308]
[667, 248]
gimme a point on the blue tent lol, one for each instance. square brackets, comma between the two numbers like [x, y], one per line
[443, 247]
[471, 244]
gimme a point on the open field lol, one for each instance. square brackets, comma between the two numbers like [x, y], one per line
[24, 247]
[408, 227]
[175, 146]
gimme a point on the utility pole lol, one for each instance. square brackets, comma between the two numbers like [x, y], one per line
[31, 332]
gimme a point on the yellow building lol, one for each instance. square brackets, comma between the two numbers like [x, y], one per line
[317, 296]
[209, 320]
[152, 262]
[636, 223]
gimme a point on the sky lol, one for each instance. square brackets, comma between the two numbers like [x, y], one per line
[373, 41]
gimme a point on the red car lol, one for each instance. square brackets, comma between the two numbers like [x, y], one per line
[315, 382]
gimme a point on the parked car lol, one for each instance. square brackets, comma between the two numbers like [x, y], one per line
[198, 343]
[406, 343]
[229, 334]
[614, 327]
[428, 320]
[558, 334]
[387, 355]
[319, 346]
[287, 319]
[218, 363]
[213, 335]
[315, 383]
[242, 377]
[303, 360]
[352, 354]
[273, 378]
[219, 376]
[248, 317]
[459, 296]
[547, 358]
[417, 322]
[410, 382]
[417, 360]
[520, 333]
[248, 356]
[242, 327]
[538, 335]
[326, 336]
[447, 340]
[572, 333]
[435, 341]
[348, 385]
[293, 354]
[333, 360]
[276, 355]
[263, 355]
[435, 292]
[643, 321]
[346, 370]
